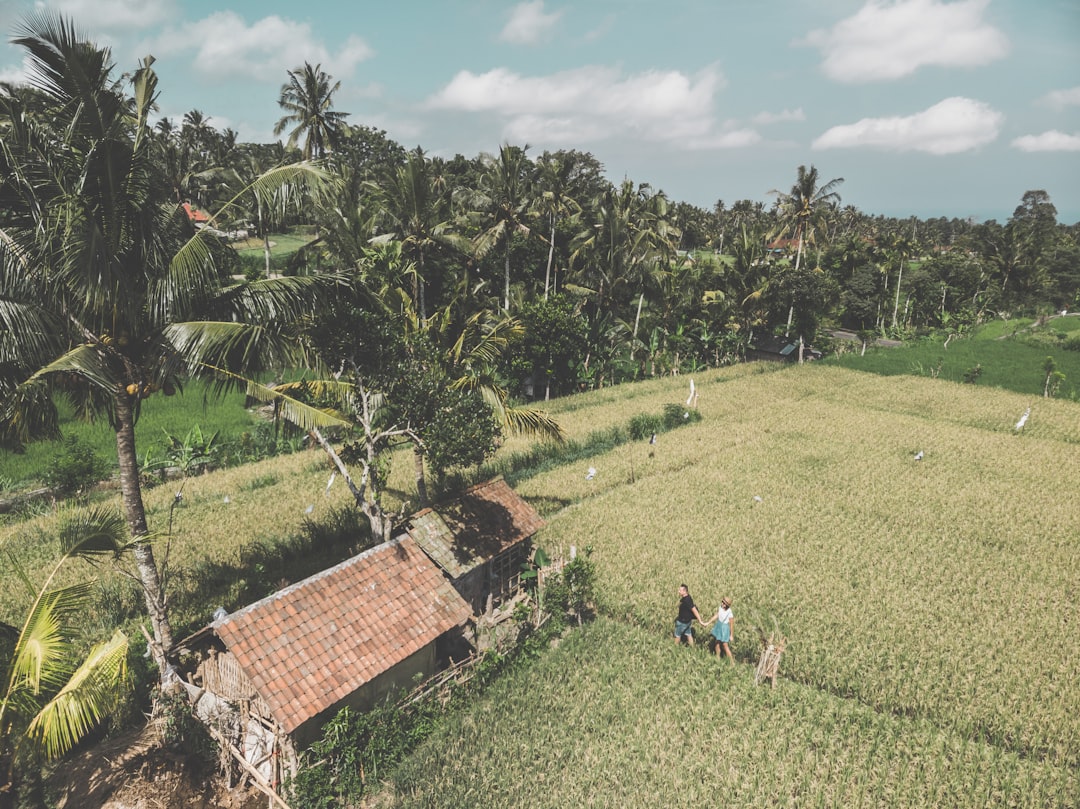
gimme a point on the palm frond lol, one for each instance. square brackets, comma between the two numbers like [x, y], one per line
[86, 361]
[530, 421]
[94, 531]
[243, 346]
[83, 700]
[294, 411]
[40, 655]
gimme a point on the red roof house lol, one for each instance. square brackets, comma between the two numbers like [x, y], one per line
[346, 636]
[196, 216]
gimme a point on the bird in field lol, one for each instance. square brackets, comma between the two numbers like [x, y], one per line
[590, 474]
[919, 455]
[1023, 420]
[691, 400]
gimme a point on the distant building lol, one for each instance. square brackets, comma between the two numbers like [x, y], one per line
[779, 349]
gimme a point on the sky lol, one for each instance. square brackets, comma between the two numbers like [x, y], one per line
[925, 108]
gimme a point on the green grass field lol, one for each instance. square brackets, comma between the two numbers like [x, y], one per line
[1009, 354]
[930, 605]
[175, 415]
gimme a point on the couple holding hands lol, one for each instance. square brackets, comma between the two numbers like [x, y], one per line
[723, 623]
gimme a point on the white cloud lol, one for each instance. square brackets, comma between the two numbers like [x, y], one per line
[225, 45]
[1051, 141]
[1060, 99]
[13, 74]
[950, 126]
[731, 139]
[590, 103]
[763, 118]
[528, 24]
[114, 14]
[888, 40]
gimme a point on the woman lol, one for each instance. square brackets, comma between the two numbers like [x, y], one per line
[724, 628]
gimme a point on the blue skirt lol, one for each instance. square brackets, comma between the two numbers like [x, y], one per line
[722, 631]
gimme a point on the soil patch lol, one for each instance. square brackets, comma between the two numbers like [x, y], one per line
[135, 771]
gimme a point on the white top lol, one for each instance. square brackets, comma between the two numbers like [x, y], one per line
[724, 615]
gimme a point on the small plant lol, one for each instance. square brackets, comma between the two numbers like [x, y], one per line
[1053, 378]
[181, 732]
[194, 453]
[74, 468]
[971, 375]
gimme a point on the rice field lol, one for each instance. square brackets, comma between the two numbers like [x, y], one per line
[930, 607]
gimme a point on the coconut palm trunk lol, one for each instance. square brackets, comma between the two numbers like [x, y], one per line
[551, 257]
[135, 512]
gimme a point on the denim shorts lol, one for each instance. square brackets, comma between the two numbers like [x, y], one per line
[683, 629]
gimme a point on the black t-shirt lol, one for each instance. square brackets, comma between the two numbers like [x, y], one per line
[686, 610]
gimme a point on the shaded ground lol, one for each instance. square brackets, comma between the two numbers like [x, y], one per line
[134, 771]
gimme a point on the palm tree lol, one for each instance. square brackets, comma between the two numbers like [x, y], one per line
[899, 248]
[415, 203]
[630, 241]
[51, 697]
[108, 295]
[801, 208]
[503, 199]
[555, 200]
[308, 100]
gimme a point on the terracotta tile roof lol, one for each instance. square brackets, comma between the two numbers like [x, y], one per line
[312, 644]
[194, 214]
[474, 528]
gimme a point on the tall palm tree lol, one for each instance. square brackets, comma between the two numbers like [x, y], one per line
[52, 697]
[415, 203]
[629, 242]
[108, 296]
[503, 198]
[308, 100]
[801, 209]
[899, 248]
[555, 199]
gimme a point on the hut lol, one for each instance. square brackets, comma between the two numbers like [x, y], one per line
[266, 677]
[481, 540]
[779, 349]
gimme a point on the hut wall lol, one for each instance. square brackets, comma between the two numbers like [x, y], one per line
[420, 664]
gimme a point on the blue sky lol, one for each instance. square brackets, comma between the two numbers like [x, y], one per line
[924, 107]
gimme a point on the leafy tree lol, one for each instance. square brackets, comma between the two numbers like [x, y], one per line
[308, 100]
[861, 298]
[553, 343]
[1034, 223]
[53, 696]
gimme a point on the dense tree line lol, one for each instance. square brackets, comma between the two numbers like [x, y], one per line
[651, 285]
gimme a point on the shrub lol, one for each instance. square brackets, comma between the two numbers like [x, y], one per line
[74, 467]
[643, 425]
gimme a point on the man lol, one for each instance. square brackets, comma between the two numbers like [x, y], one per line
[687, 613]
